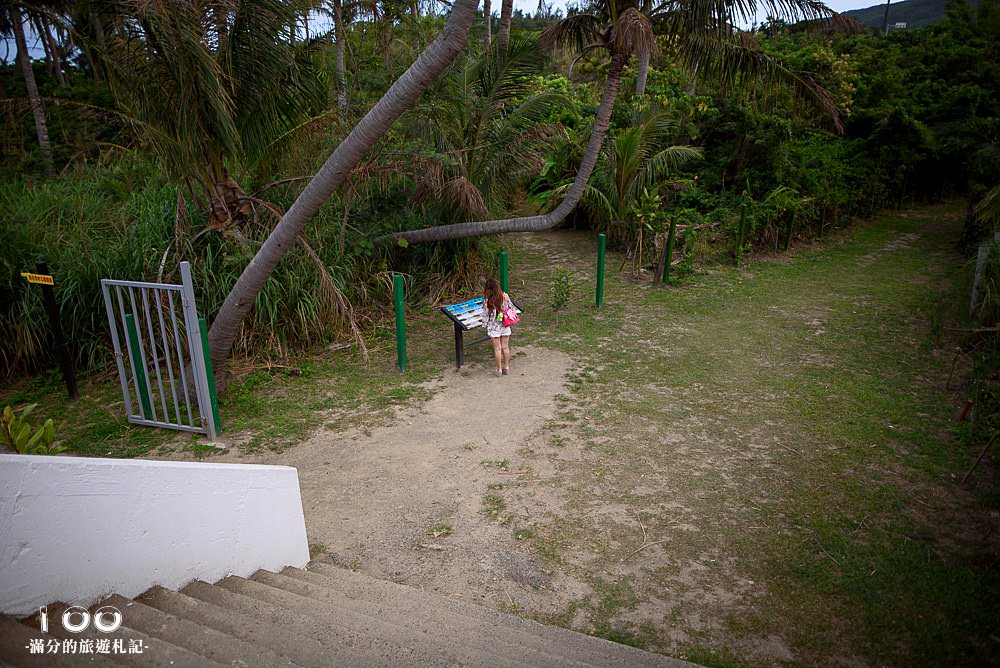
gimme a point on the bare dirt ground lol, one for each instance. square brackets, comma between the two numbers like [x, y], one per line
[376, 497]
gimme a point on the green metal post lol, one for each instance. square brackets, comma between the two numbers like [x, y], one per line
[213, 400]
[670, 252]
[397, 292]
[504, 267]
[741, 234]
[602, 242]
[139, 367]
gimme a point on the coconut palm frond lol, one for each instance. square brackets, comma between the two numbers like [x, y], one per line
[661, 166]
[576, 32]
[165, 44]
[272, 90]
[502, 80]
[727, 61]
[988, 208]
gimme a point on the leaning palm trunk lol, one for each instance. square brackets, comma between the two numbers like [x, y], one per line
[569, 202]
[24, 60]
[401, 96]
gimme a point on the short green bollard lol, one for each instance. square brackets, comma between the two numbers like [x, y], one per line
[602, 242]
[397, 292]
[504, 268]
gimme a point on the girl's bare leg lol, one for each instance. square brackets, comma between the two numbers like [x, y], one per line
[505, 347]
[497, 351]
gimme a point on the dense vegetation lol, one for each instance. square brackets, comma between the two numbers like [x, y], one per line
[137, 187]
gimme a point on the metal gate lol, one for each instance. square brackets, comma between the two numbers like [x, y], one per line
[164, 362]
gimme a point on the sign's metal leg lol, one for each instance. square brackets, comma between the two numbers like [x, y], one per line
[459, 347]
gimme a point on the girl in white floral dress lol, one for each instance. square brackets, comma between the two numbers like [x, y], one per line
[495, 301]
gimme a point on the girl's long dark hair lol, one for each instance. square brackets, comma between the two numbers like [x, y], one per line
[493, 295]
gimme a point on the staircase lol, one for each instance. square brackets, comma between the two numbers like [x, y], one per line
[324, 616]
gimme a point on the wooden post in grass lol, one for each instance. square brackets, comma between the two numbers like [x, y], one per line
[45, 280]
[602, 242]
[397, 292]
[788, 232]
[669, 252]
[504, 269]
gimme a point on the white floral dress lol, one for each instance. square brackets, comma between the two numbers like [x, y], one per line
[493, 322]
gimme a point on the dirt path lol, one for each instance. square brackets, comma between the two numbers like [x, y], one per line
[405, 502]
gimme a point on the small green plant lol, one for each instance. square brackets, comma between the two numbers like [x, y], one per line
[560, 289]
[502, 465]
[439, 530]
[16, 433]
[494, 506]
[523, 534]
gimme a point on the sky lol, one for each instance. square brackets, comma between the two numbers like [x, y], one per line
[529, 6]
[7, 49]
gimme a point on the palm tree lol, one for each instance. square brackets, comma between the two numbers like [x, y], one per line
[16, 18]
[635, 160]
[488, 128]
[227, 88]
[704, 35]
[402, 95]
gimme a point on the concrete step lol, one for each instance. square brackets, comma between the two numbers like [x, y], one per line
[155, 652]
[413, 612]
[337, 640]
[202, 640]
[316, 618]
[426, 649]
[571, 645]
[280, 638]
[15, 639]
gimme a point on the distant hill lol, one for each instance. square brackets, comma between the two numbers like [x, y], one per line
[914, 13]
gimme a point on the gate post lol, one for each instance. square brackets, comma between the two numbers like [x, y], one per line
[197, 351]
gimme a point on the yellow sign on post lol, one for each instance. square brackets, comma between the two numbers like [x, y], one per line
[41, 279]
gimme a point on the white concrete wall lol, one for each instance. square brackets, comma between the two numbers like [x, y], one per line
[74, 529]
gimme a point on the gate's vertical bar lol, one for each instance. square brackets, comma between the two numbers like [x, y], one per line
[209, 376]
[195, 349]
[142, 355]
[397, 292]
[504, 271]
[152, 351]
[602, 241]
[180, 359]
[106, 289]
[131, 357]
[142, 386]
[167, 354]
